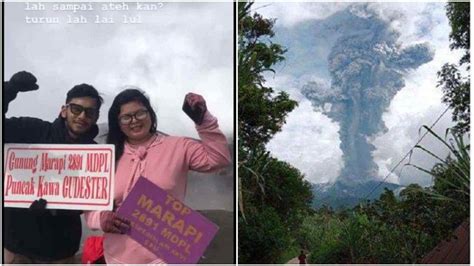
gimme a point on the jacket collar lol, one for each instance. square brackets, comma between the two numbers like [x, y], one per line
[60, 126]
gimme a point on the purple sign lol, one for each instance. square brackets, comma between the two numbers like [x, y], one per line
[164, 225]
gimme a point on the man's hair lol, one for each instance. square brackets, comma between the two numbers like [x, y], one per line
[84, 90]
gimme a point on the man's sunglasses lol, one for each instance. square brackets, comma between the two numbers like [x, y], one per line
[77, 109]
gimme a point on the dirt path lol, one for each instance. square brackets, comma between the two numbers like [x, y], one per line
[295, 261]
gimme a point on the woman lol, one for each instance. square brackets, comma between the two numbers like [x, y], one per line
[165, 160]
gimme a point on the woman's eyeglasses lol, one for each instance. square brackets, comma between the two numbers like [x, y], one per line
[77, 109]
[127, 119]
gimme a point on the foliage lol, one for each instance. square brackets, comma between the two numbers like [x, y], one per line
[275, 183]
[451, 188]
[456, 93]
[455, 86]
[452, 175]
[278, 187]
[459, 18]
[397, 229]
[262, 112]
[385, 231]
[263, 237]
[273, 196]
[357, 238]
[289, 253]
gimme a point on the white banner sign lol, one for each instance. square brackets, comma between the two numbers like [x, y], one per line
[74, 177]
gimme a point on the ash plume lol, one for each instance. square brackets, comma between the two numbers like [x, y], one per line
[367, 64]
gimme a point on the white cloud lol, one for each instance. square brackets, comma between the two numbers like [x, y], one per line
[419, 103]
[309, 140]
[402, 136]
[289, 14]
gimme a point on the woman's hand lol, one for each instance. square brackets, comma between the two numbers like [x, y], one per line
[110, 222]
[195, 107]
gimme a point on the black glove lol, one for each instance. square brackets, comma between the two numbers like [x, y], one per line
[195, 107]
[39, 207]
[23, 81]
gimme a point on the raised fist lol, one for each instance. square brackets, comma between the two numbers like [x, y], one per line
[23, 81]
[195, 107]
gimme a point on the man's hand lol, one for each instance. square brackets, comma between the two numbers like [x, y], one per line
[110, 222]
[38, 207]
[23, 81]
[195, 107]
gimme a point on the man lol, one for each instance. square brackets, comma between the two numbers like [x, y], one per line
[37, 235]
[302, 257]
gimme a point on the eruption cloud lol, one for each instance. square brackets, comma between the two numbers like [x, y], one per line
[367, 65]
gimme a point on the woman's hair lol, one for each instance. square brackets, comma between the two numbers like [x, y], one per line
[115, 135]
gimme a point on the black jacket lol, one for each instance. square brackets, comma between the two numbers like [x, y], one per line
[51, 234]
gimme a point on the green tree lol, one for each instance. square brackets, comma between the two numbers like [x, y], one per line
[287, 190]
[451, 189]
[458, 14]
[270, 184]
[262, 237]
[456, 85]
[273, 196]
[262, 112]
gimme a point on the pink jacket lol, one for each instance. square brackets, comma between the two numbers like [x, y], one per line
[164, 160]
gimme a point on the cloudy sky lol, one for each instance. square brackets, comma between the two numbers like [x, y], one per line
[310, 140]
[181, 47]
